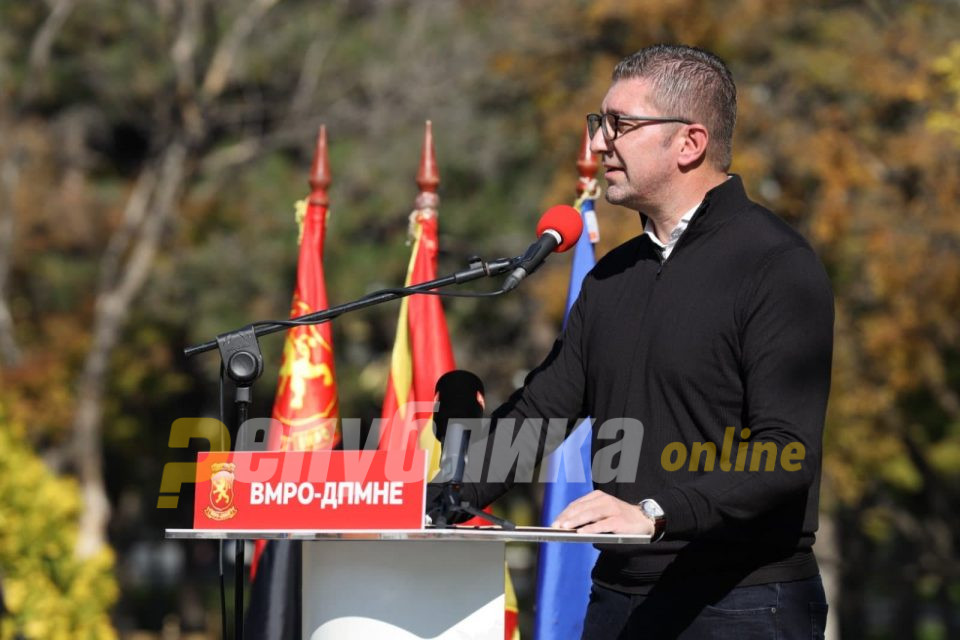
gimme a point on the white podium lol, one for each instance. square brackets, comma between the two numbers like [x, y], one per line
[441, 584]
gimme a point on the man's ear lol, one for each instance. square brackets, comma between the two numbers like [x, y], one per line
[693, 146]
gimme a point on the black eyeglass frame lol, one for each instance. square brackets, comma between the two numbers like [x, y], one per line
[599, 121]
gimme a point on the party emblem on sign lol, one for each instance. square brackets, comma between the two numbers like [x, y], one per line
[221, 492]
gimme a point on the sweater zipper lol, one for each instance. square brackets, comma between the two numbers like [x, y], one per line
[663, 261]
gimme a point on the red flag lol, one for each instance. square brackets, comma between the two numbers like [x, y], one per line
[305, 407]
[422, 351]
[306, 401]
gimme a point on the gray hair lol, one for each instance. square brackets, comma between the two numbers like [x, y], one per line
[689, 83]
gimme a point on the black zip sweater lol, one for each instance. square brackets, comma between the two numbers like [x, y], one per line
[734, 329]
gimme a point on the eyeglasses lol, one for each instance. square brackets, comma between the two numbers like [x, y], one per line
[610, 123]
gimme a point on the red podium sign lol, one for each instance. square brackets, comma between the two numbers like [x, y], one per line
[352, 490]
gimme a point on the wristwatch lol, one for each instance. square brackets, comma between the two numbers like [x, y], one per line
[652, 510]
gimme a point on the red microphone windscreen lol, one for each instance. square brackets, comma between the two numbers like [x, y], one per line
[566, 221]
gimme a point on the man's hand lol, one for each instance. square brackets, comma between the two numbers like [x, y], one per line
[599, 512]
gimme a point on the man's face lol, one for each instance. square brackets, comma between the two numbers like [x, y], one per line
[641, 160]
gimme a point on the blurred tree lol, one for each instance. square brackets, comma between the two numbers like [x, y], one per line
[144, 176]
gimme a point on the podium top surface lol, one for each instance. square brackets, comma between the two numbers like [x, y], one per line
[475, 534]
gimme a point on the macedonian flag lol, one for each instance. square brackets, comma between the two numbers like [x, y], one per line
[422, 351]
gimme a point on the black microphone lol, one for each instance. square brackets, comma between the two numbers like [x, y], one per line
[460, 401]
[559, 229]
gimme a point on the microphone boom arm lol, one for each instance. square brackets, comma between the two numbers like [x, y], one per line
[478, 269]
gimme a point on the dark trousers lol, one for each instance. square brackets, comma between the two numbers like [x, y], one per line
[777, 611]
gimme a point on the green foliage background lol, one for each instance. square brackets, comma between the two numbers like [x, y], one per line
[208, 111]
[48, 591]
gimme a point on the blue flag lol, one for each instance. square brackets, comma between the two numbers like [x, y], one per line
[563, 574]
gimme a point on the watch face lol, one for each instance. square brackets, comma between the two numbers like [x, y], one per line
[651, 508]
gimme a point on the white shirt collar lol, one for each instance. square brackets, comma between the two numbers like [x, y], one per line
[674, 234]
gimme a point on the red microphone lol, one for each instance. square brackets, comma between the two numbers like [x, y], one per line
[559, 229]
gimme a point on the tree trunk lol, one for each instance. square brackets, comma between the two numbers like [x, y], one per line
[828, 557]
[852, 620]
[121, 281]
[948, 611]
[907, 604]
[9, 179]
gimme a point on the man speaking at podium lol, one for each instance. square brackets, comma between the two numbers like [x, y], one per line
[711, 331]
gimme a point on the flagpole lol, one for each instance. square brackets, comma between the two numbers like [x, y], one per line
[563, 571]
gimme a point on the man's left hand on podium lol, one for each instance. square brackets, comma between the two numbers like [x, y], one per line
[599, 512]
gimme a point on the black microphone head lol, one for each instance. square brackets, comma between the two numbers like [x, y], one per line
[458, 379]
[459, 396]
